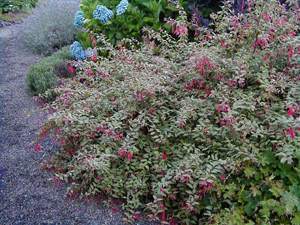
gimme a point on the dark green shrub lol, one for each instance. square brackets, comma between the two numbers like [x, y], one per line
[49, 27]
[41, 75]
[199, 132]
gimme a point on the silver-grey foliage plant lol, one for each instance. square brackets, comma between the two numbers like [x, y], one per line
[50, 26]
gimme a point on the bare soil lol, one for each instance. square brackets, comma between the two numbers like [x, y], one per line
[26, 194]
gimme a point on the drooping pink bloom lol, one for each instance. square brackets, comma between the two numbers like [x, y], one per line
[94, 58]
[292, 133]
[219, 108]
[37, 148]
[164, 216]
[129, 156]
[71, 69]
[164, 155]
[291, 112]
[266, 57]
[183, 31]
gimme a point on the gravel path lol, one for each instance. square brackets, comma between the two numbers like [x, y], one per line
[27, 196]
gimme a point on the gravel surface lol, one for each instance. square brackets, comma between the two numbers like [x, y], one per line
[26, 194]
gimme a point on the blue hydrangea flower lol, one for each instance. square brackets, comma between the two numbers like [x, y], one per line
[77, 51]
[121, 7]
[102, 13]
[78, 19]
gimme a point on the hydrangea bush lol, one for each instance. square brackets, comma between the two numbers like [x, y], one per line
[119, 19]
[195, 133]
[50, 26]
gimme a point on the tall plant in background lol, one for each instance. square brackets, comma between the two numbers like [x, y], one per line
[194, 134]
[50, 26]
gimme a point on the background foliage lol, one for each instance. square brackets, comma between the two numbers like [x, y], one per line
[192, 132]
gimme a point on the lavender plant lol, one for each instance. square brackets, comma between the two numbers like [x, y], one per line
[50, 26]
[195, 133]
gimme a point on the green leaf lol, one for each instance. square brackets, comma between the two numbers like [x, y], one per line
[296, 219]
[249, 208]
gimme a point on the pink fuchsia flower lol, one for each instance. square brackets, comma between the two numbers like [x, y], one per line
[164, 155]
[129, 156]
[223, 177]
[136, 217]
[37, 148]
[183, 30]
[291, 112]
[94, 58]
[176, 32]
[219, 107]
[71, 69]
[292, 133]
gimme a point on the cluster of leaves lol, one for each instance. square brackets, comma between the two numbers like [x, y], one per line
[49, 27]
[192, 132]
[15, 5]
[41, 75]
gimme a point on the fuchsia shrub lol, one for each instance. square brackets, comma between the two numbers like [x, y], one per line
[190, 132]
